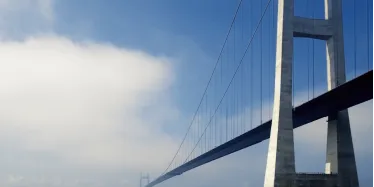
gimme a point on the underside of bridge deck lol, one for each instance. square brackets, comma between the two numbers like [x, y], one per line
[342, 97]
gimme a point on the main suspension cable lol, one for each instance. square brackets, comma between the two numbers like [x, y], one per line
[232, 78]
[206, 88]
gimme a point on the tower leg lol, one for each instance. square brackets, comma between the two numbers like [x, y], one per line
[280, 167]
[340, 157]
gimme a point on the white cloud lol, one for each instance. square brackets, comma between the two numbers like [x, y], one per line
[73, 111]
[85, 104]
[21, 18]
[14, 179]
[44, 7]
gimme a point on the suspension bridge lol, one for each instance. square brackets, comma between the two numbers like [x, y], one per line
[274, 48]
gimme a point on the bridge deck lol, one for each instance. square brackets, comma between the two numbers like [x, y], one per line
[345, 96]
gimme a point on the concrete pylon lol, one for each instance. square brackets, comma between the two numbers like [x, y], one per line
[340, 157]
[340, 168]
[280, 166]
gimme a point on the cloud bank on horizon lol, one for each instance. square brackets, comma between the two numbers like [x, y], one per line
[72, 105]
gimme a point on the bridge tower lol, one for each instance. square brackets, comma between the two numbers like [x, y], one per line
[340, 167]
[143, 177]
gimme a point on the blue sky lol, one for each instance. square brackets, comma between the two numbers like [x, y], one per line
[195, 31]
[121, 79]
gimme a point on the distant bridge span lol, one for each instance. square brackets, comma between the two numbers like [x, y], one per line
[351, 93]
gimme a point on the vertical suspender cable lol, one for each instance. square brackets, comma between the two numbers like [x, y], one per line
[241, 80]
[229, 102]
[198, 132]
[207, 116]
[269, 59]
[215, 119]
[245, 72]
[227, 121]
[370, 37]
[313, 51]
[308, 68]
[220, 126]
[274, 50]
[313, 68]
[251, 66]
[354, 38]
[367, 33]
[308, 57]
[192, 140]
[261, 63]
[234, 90]
[208, 130]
